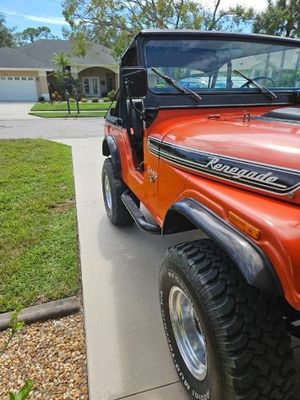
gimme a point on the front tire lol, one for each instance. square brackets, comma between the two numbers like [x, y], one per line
[228, 340]
[112, 189]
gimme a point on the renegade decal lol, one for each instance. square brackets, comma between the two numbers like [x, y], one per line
[237, 173]
[267, 177]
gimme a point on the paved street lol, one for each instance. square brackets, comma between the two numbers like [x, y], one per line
[54, 128]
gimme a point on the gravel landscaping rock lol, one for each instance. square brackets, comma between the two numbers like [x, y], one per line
[50, 353]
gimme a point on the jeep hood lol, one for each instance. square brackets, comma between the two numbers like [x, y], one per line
[260, 155]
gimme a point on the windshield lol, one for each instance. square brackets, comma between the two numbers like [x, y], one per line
[211, 65]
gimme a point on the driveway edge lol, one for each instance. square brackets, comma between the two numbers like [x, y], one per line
[43, 312]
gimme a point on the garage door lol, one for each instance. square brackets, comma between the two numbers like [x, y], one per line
[17, 88]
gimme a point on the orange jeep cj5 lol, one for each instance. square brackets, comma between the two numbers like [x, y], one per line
[205, 134]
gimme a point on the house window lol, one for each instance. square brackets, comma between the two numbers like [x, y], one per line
[2, 78]
[17, 78]
[23, 78]
[95, 86]
[30, 79]
[10, 78]
[86, 86]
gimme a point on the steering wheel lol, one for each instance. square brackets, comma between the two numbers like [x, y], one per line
[257, 78]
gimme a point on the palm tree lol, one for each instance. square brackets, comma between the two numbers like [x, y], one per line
[61, 62]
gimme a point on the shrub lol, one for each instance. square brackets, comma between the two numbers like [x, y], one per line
[72, 100]
[105, 99]
[41, 99]
[95, 99]
[56, 96]
[111, 94]
[83, 100]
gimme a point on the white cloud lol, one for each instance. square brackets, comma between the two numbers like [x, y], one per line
[46, 20]
[36, 18]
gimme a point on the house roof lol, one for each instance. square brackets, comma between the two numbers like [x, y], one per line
[13, 58]
[39, 54]
[43, 51]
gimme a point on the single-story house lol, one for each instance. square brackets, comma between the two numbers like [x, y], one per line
[27, 72]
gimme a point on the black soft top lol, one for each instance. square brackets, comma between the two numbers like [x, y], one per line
[176, 33]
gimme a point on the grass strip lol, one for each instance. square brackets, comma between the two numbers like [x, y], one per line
[85, 114]
[62, 106]
[38, 236]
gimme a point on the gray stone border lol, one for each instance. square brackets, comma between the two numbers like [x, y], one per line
[43, 312]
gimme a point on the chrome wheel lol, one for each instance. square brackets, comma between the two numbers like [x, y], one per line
[107, 193]
[188, 333]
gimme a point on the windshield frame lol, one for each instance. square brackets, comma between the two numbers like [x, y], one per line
[214, 97]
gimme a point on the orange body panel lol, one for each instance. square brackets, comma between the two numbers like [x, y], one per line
[224, 131]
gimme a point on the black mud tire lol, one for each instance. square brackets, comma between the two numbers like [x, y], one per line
[248, 349]
[116, 211]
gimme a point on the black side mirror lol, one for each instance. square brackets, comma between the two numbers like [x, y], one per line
[134, 79]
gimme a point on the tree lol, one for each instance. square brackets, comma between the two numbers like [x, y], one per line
[6, 35]
[281, 18]
[231, 19]
[29, 35]
[114, 23]
[19, 39]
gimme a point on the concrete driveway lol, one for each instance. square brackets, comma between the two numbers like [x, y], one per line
[15, 111]
[127, 352]
[126, 348]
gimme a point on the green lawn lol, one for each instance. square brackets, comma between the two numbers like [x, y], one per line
[62, 106]
[38, 236]
[53, 114]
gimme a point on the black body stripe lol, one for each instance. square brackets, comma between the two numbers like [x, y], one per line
[271, 178]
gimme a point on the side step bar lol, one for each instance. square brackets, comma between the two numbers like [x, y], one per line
[138, 216]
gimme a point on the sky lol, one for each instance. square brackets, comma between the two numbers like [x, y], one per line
[24, 13]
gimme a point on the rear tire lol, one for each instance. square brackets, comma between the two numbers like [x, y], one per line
[112, 189]
[242, 349]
